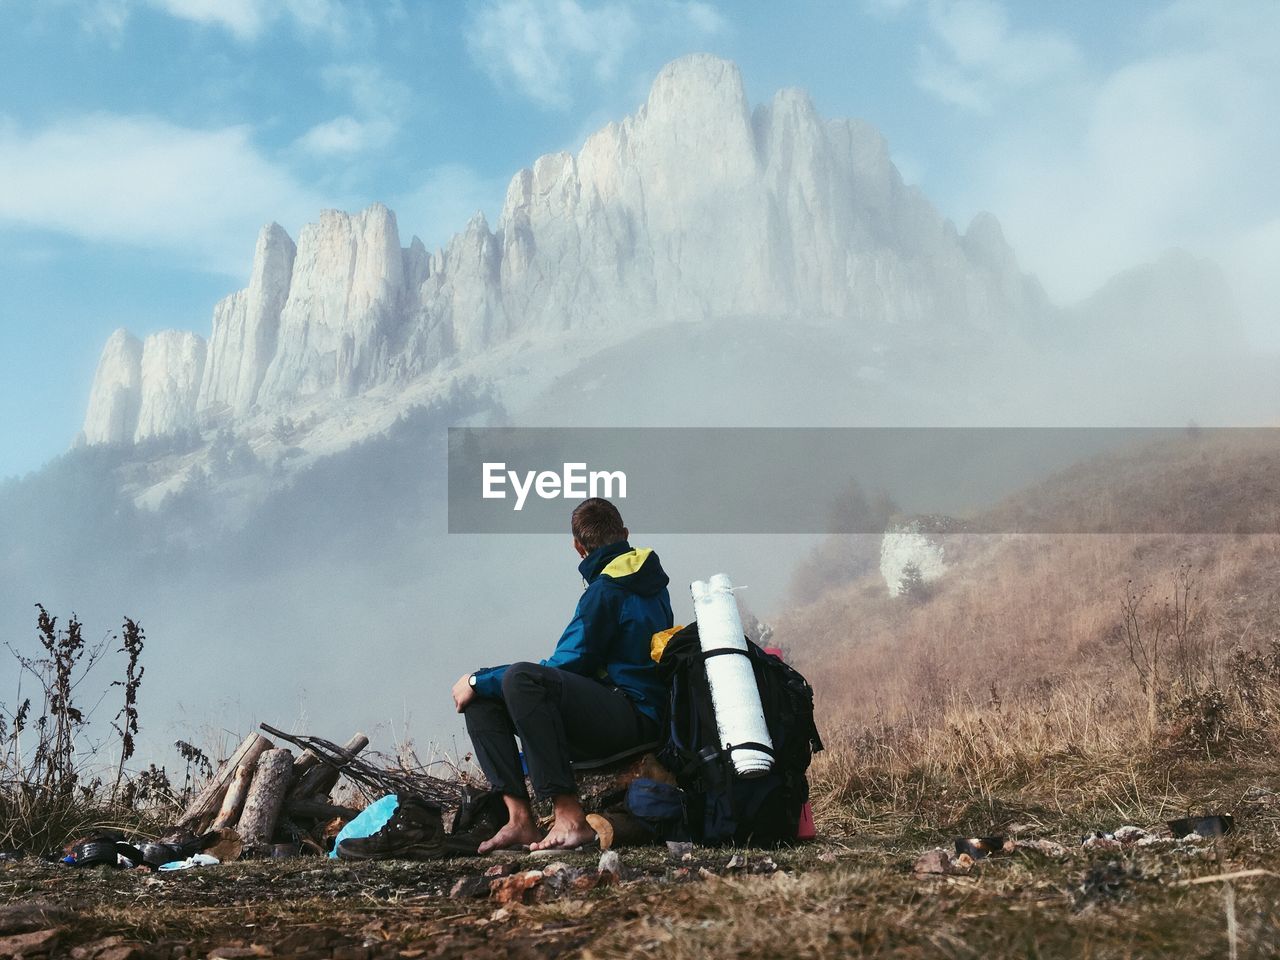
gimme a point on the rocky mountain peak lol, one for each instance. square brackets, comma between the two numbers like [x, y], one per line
[112, 416]
[697, 107]
[172, 368]
[692, 208]
[246, 328]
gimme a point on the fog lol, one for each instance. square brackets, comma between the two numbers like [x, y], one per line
[341, 602]
[303, 575]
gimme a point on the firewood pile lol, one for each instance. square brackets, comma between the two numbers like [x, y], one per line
[269, 796]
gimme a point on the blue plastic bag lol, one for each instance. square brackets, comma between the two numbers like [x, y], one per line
[369, 821]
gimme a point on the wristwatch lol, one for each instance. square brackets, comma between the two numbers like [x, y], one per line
[472, 680]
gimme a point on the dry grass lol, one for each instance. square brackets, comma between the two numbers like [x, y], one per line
[1010, 694]
[1021, 911]
[1018, 612]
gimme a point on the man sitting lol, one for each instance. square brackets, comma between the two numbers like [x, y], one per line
[597, 695]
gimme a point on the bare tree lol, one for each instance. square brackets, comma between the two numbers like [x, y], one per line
[1143, 637]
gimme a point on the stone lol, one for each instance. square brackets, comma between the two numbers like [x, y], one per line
[503, 869]
[677, 849]
[518, 888]
[98, 947]
[31, 915]
[610, 863]
[123, 951]
[938, 862]
[1101, 841]
[30, 943]
[468, 888]
[588, 881]
[1046, 848]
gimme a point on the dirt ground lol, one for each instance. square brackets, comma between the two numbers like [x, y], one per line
[849, 896]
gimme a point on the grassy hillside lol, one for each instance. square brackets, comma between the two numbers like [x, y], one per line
[1086, 674]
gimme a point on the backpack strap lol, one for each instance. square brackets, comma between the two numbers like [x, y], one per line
[751, 745]
[720, 652]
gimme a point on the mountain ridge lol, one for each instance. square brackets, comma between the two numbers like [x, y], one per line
[695, 206]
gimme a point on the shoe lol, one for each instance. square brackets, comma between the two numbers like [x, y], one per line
[113, 853]
[480, 816]
[159, 853]
[414, 832]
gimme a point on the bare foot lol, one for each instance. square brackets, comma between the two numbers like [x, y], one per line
[511, 835]
[565, 835]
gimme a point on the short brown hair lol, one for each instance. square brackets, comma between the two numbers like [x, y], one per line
[596, 522]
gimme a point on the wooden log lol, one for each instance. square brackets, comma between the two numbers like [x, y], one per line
[233, 799]
[318, 810]
[265, 800]
[304, 763]
[207, 804]
[319, 780]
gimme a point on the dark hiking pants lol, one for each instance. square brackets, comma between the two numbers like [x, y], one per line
[559, 717]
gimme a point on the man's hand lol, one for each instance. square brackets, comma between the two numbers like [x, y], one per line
[463, 692]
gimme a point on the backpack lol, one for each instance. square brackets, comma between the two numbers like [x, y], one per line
[721, 807]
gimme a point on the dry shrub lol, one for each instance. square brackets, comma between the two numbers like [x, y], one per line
[51, 759]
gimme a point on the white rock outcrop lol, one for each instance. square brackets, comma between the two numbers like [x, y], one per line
[112, 416]
[172, 367]
[246, 328]
[906, 546]
[694, 207]
[344, 313]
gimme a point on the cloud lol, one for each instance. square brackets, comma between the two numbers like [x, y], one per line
[975, 55]
[243, 18]
[448, 196]
[345, 135]
[540, 47]
[106, 18]
[144, 182]
[704, 18]
[378, 103]
[532, 42]
[247, 20]
[370, 90]
[1094, 173]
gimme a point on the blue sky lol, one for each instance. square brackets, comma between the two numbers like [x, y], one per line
[143, 142]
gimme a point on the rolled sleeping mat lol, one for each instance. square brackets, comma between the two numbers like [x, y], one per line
[734, 694]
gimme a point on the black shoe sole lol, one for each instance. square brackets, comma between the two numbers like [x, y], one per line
[412, 852]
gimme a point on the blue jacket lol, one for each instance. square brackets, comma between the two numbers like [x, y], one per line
[624, 605]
